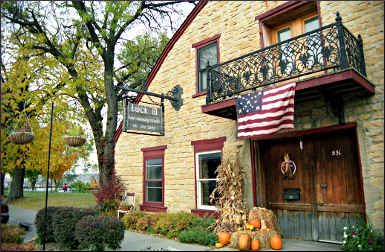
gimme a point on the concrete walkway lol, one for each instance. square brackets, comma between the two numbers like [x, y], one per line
[143, 242]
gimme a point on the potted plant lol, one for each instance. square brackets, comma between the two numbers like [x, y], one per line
[22, 134]
[126, 206]
[75, 137]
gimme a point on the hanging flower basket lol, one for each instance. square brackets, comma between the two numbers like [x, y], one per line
[74, 141]
[21, 136]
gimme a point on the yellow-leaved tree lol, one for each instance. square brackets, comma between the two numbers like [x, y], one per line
[29, 85]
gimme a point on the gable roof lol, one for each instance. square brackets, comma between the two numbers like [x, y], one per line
[163, 56]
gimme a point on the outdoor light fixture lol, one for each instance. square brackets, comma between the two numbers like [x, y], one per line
[301, 144]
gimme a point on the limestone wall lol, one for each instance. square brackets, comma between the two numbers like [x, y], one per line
[235, 22]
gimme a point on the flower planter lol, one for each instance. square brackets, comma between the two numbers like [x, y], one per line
[125, 208]
[74, 141]
[21, 136]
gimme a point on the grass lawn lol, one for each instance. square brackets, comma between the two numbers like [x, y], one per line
[36, 200]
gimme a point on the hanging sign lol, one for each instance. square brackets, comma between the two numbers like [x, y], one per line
[143, 118]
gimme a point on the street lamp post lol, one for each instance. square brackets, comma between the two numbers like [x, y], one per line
[46, 187]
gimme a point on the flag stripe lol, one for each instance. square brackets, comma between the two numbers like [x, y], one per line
[267, 128]
[271, 112]
[273, 120]
[265, 132]
[267, 112]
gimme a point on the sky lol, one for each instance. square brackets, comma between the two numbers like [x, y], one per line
[140, 30]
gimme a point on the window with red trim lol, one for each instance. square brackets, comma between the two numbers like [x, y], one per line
[153, 178]
[207, 155]
[207, 54]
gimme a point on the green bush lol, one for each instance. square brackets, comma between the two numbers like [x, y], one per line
[204, 222]
[145, 222]
[79, 186]
[130, 219]
[64, 223]
[99, 232]
[178, 222]
[161, 226]
[42, 224]
[362, 237]
[11, 234]
[198, 235]
[171, 224]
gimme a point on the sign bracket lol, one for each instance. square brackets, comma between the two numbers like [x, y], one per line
[174, 95]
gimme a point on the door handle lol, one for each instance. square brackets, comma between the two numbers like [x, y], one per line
[324, 186]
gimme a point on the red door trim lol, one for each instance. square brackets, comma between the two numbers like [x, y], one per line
[309, 131]
[253, 175]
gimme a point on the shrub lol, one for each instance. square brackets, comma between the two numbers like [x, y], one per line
[204, 222]
[198, 235]
[145, 222]
[64, 223]
[178, 222]
[41, 223]
[362, 237]
[28, 246]
[130, 219]
[172, 224]
[161, 226]
[98, 232]
[11, 234]
[79, 186]
[108, 196]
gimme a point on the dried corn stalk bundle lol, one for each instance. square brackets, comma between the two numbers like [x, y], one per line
[228, 195]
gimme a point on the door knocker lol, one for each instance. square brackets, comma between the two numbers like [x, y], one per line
[288, 167]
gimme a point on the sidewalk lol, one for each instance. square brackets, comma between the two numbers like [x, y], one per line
[143, 242]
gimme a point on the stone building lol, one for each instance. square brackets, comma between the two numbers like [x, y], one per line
[225, 49]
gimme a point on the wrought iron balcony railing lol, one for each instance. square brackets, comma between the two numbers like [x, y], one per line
[331, 47]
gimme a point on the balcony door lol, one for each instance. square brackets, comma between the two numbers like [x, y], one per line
[307, 52]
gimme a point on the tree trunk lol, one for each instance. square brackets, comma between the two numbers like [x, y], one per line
[33, 181]
[16, 189]
[2, 180]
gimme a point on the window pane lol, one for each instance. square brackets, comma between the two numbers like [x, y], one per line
[286, 62]
[208, 163]
[284, 34]
[207, 55]
[156, 161]
[207, 188]
[154, 168]
[154, 194]
[154, 184]
[311, 24]
[313, 42]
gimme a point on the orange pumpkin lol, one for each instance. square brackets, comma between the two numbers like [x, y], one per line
[218, 245]
[256, 223]
[244, 241]
[255, 245]
[224, 237]
[276, 242]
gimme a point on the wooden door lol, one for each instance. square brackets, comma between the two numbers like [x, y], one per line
[328, 178]
[337, 184]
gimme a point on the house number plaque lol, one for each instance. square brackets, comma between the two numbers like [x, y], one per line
[336, 153]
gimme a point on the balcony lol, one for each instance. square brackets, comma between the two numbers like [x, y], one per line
[327, 62]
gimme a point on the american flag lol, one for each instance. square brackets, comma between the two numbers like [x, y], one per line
[265, 112]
